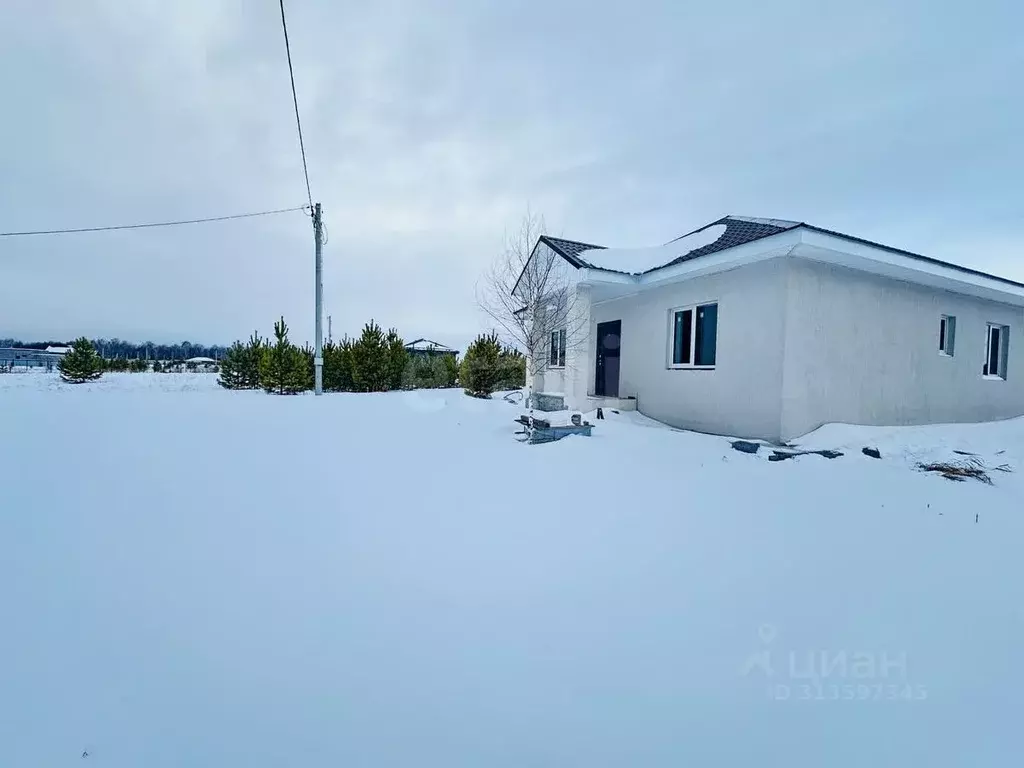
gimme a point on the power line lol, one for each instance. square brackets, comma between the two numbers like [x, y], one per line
[152, 224]
[295, 100]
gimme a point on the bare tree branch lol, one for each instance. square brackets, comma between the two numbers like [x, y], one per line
[530, 293]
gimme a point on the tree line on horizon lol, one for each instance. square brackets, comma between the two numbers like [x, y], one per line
[115, 348]
[83, 363]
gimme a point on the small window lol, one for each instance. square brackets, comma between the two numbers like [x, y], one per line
[996, 351]
[947, 335]
[694, 335]
[556, 358]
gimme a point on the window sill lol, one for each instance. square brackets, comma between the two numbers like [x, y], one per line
[556, 367]
[945, 354]
[691, 368]
[989, 377]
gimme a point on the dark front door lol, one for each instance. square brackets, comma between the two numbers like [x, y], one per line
[606, 379]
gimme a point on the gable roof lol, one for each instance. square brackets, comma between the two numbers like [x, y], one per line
[570, 249]
[427, 344]
[737, 230]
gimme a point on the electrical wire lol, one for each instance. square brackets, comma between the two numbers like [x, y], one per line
[152, 224]
[295, 100]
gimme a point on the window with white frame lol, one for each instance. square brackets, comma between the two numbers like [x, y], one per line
[997, 348]
[947, 335]
[556, 358]
[693, 336]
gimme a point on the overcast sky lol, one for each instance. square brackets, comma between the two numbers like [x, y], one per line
[431, 125]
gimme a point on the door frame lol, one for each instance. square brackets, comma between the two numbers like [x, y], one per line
[599, 379]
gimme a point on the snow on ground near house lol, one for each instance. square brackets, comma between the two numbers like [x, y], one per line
[642, 259]
[196, 577]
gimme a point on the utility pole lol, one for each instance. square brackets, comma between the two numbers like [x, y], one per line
[329, 339]
[318, 354]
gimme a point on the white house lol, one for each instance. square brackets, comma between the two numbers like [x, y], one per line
[768, 328]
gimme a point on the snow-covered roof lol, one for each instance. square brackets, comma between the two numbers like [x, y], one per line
[428, 345]
[58, 350]
[200, 360]
[635, 260]
[725, 233]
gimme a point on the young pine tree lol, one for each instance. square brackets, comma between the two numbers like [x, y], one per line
[481, 369]
[370, 371]
[513, 369]
[397, 357]
[232, 367]
[447, 370]
[283, 368]
[338, 366]
[308, 366]
[252, 362]
[81, 364]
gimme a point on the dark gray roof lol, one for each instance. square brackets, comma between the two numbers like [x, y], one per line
[570, 249]
[738, 230]
[745, 229]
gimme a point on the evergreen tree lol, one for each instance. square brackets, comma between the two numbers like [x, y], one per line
[81, 364]
[370, 370]
[481, 369]
[232, 367]
[252, 363]
[139, 365]
[158, 367]
[448, 366]
[308, 366]
[397, 356]
[338, 367]
[283, 368]
[430, 372]
[240, 368]
[513, 369]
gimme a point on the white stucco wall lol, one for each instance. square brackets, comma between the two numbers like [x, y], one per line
[571, 379]
[742, 395]
[865, 350]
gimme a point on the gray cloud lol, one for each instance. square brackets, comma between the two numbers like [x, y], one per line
[430, 127]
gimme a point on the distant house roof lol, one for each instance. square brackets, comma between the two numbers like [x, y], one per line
[727, 232]
[426, 345]
[58, 350]
[200, 360]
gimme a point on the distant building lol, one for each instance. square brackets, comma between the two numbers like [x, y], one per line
[20, 357]
[201, 364]
[428, 348]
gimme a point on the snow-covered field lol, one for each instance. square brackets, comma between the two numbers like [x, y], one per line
[194, 577]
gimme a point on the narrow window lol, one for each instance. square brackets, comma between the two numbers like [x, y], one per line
[947, 334]
[682, 326]
[706, 341]
[997, 350]
[556, 357]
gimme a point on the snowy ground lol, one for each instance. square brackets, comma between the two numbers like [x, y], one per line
[193, 577]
